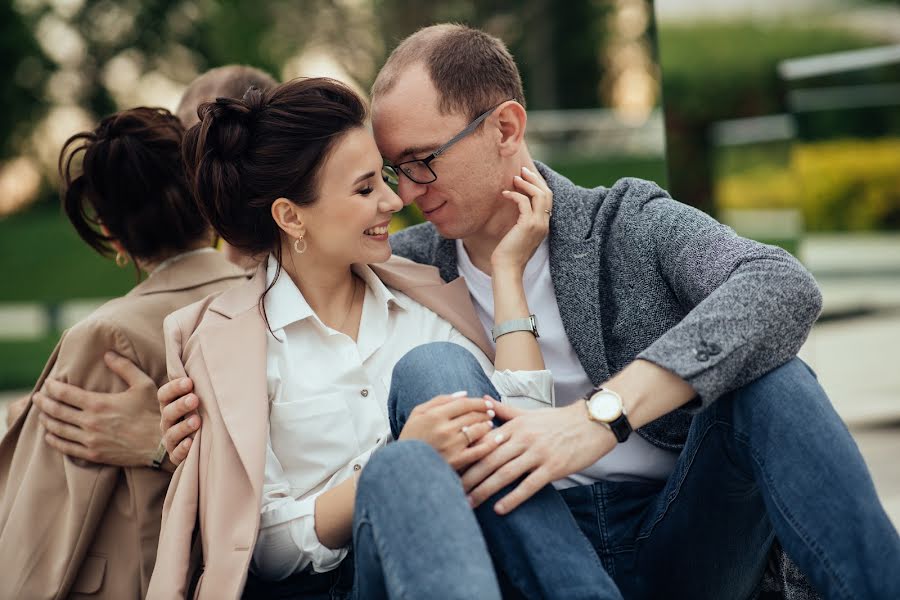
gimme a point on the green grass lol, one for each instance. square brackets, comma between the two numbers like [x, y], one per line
[593, 173]
[42, 259]
[21, 362]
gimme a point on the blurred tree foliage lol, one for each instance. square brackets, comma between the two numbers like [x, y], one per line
[23, 71]
[717, 71]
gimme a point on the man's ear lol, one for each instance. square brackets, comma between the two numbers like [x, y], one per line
[510, 121]
[289, 217]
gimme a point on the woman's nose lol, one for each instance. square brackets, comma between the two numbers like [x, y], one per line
[391, 202]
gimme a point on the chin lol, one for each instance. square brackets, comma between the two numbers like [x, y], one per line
[377, 257]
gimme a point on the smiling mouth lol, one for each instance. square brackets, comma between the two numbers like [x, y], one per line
[377, 231]
[428, 212]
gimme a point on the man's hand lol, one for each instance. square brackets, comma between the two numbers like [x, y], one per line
[552, 443]
[545, 444]
[16, 408]
[179, 419]
[118, 429]
[440, 423]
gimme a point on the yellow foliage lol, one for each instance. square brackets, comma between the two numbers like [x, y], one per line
[839, 185]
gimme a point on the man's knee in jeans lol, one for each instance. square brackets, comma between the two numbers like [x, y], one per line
[790, 391]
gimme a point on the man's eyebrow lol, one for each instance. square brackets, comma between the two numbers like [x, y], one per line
[418, 150]
[364, 177]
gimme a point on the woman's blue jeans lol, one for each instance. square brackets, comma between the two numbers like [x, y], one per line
[538, 549]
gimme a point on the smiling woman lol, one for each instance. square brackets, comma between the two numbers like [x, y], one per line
[293, 371]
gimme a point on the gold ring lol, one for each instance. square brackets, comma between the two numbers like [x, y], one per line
[465, 432]
[549, 212]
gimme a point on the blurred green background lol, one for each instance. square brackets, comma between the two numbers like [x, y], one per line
[711, 99]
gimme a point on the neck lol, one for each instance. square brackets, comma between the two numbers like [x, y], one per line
[327, 288]
[480, 245]
[150, 264]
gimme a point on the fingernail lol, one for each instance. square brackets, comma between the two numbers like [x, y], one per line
[492, 424]
[460, 394]
[491, 414]
[192, 422]
[183, 385]
[498, 438]
[499, 508]
[527, 170]
[108, 355]
[517, 177]
[191, 401]
[471, 501]
[489, 404]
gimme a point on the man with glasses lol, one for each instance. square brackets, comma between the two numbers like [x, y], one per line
[684, 332]
[685, 434]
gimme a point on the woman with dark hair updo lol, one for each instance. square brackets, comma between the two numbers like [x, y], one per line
[295, 475]
[69, 528]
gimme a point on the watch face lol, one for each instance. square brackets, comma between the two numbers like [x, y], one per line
[605, 406]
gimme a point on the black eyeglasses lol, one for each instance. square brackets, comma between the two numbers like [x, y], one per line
[419, 170]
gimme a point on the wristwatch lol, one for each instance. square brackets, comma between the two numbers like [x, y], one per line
[604, 406]
[529, 323]
[159, 457]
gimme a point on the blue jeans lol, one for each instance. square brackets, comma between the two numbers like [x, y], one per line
[538, 549]
[772, 459]
[414, 536]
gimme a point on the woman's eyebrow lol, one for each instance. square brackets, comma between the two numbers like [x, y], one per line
[364, 177]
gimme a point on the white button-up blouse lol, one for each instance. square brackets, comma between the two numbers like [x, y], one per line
[328, 407]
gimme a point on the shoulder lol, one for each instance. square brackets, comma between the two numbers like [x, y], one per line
[415, 243]
[182, 323]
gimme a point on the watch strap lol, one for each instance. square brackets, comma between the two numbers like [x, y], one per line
[621, 428]
[528, 323]
[160, 456]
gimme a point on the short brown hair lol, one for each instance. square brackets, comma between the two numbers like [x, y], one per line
[230, 81]
[130, 180]
[471, 70]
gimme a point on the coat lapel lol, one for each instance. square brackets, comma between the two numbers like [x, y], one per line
[241, 389]
[574, 269]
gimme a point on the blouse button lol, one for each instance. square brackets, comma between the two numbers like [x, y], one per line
[364, 392]
[357, 467]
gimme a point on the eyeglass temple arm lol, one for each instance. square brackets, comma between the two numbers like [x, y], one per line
[462, 133]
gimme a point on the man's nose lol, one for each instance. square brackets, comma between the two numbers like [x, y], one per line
[409, 190]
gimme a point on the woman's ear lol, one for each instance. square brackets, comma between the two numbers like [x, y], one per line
[119, 248]
[289, 218]
[510, 123]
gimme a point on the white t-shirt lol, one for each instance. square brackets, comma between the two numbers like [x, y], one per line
[636, 459]
[328, 407]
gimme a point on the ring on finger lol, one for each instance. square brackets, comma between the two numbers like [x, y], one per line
[465, 431]
[549, 212]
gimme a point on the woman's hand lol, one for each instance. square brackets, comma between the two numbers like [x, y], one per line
[535, 202]
[455, 426]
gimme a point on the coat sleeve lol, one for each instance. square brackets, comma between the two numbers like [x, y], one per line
[50, 504]
[750, 305]
[175, 561]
